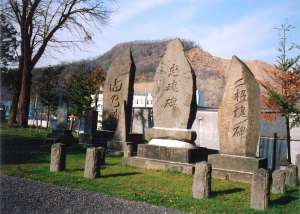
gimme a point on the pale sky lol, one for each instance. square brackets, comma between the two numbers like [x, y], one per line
[222, 27]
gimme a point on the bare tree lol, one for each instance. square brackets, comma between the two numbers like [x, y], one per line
[39, 21]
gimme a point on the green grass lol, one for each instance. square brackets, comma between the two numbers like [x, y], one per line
[24, 155]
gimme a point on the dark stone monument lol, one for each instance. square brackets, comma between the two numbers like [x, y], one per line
[239, 125]
[118, 88]
[260, 190]
[298, 167]
[58, 157]
[202, 180]
[60, 134]
[174, 109]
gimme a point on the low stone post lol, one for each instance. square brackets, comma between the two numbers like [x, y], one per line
[260, 190]
[298, 167]
[291, 175]
[58, 157]
[128, 150]
[202, 180]
[93, 161]
[278, 181]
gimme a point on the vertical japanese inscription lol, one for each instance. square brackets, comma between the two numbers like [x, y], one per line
[114, 87]
[171, 86]
[239, 111]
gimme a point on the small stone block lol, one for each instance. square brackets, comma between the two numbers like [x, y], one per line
[278, 182]
[260, 190]
[93, 159]
[58, 157]
[202, 180]
[298, 166]
[291, 175]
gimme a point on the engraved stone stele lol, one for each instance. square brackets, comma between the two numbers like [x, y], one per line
[202, 180]
[260, 190]
[278, 181]
[291, 175]
[174, 104]
[58, 157]
[118, 87]
[239, 113]
[93, 159]
[239, 126]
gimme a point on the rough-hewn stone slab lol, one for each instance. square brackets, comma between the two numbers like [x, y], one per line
[183, 155]
[58, 157]
[93, 159]
[118, 87]
[202, 180]
[239, 113]
[278, 181]
[298, 167]
[147, 163]
[156, 133]
[174, 103]
[260, 190]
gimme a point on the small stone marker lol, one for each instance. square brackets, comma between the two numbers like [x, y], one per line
[239, 113]
[58, 157]
[93, 159]
[260, 190]
[298, 167]
[202, 180]
[278, 181]
[291, 175]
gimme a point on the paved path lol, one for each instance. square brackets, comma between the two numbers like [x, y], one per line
[25, 196]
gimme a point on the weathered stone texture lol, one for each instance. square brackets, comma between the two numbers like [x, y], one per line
[278, 181]
[202, 180]
[239, 113]
[174, 92]
[118, 87]
[291, 175]
[93, 159]
[260, 190]
[58, 157]
[182, 135]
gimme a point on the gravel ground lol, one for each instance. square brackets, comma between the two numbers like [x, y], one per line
[25, 196]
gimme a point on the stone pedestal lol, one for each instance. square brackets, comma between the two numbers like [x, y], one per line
[182, 155]
[237, 168]
[93, 160]
[260, 190]
[202, 180]
[58, 157]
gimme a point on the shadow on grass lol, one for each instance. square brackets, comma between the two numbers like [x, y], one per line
[283, 200]
[227, 191]
[120, 174]
[75, 170]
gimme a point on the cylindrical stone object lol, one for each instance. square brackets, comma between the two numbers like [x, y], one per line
[202, 180]
[93, 161]
[58, 157]
[260, 190]
[278, 182]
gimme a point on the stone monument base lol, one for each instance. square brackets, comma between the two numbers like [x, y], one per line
[147, 163]
[237, 168]
[182, 155]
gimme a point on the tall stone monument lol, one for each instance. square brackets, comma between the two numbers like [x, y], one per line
[239, 126]
[118, 88]
[174, 108]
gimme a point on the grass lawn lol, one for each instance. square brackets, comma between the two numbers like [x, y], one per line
[24, 155]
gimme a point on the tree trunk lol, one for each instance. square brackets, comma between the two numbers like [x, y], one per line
[288, 138]
[14, 105]
[24, 100]
[48, 117]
